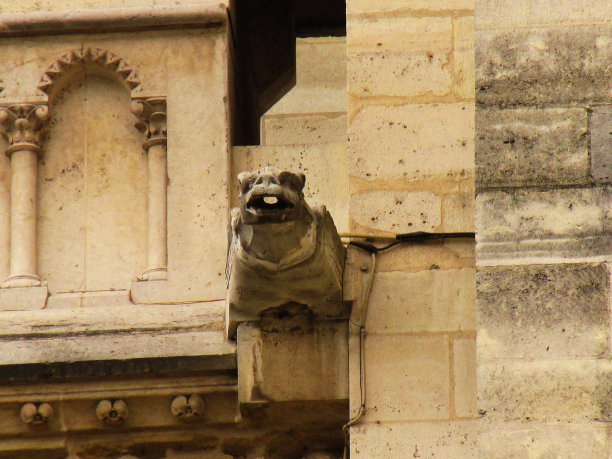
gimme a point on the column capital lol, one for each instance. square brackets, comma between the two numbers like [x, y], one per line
[23, 126]
[151, 113]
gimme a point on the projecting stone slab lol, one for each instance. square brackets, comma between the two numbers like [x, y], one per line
[23, 298]
[601, 143]
[535, 66]
[518, 147]
[543, 311]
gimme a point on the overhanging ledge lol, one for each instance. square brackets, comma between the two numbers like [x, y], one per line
[104, 20]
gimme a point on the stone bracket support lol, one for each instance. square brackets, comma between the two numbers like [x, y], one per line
[152, 123]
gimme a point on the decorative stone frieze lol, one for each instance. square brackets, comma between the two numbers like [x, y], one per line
[76, 59]
[23, 127]
[151, 113]
[284, 257]
[112, 413]
[187, 409]
[36, 416]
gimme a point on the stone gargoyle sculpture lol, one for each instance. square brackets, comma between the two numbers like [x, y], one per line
[283, 256]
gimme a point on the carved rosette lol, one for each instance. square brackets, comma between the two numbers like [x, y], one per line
[151, 113]
[187, 409]
[36, 416]
[23, 126]
[112, 413]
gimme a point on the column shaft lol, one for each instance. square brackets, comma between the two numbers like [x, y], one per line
[157, 257]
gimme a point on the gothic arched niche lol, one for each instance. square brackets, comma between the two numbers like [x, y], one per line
[92, 181]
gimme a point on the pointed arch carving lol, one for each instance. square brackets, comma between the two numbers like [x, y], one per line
[76, 59]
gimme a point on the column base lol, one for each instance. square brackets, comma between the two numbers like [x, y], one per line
[160, 273]
[23, 298]
[21, 280]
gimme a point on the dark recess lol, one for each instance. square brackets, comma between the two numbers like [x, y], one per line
[264, 33]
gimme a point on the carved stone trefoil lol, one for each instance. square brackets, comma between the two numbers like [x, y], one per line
[112, 413]
[283, 256]
[187, 409]
[36, 416]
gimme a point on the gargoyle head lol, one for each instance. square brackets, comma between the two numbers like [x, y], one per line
[271, 195]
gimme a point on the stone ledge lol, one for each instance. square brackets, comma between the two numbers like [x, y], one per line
[111, 20]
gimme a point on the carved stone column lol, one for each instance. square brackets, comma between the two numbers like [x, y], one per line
[23, 127]
[152, 122]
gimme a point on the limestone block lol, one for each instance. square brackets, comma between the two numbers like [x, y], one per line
[601, 143]
[545, 390]
[464, 383]
[543, 311]
[395, 211]
[448, 254]
[407, 377]
[23, 298]
[458, 212]
[529, 439]
[463, 39]
[531, 146]
[326, 166]
[430, 300]
[412, 142]
[289, 364]
[283, 255]
[457, 439]
[399, 6]
[399, 56]
[563, 222]
[311, 129]
[494, 14]
[537, 67]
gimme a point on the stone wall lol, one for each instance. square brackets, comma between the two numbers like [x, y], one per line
[411, 168]
[543, 158]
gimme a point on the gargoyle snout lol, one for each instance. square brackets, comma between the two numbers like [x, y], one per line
[266, 180]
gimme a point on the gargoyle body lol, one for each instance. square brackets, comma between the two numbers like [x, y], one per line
[283, 255]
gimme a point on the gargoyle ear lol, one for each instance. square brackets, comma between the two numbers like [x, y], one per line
[295, 180]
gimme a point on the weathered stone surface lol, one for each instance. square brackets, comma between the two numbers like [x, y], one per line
[464, 370]
[601, 143]
[407, 377]
[463, 60]
[326, 166]
[309, 363]
[530, 439]
[565, 390]
[303, 129]
[406, 142]
[399, 56]
[543, 311]
[430, 300]
[457, 439]
[433, 6]
[23, 298]
[529, 146]
[508, 14]
[5, 210]
[458, 212]
[564, 222]
[395, 211]
[535, 67]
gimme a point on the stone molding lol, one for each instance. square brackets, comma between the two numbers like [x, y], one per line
[187, 409]
[113, 413]
[36, 416]
[106, 20]
[75, 59]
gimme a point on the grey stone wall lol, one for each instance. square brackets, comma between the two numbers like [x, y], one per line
[544, 228]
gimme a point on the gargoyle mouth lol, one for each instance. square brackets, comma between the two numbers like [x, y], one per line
[269, 204]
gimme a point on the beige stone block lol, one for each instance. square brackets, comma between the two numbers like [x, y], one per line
[395, 211]
[311, 129]
[464, 371]
[463, 41]
[325, 167]
[23, 298]
[529, 440]
[301, 364]
[431, 300]
[449, 254]
[458, 212]
[407, 377]
[545, 390]
[412, 142]
[399, 56]
[494, 14]
[457, 439]
[407, 6]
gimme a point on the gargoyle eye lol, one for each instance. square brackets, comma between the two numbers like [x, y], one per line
[295, 181]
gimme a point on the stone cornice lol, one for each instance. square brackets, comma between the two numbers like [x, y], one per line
[105, 20]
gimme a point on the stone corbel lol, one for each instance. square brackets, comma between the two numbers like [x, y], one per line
[152, 123]
[23, 126]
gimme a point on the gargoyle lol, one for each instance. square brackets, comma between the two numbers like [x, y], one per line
[282, 255]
